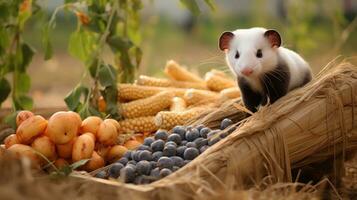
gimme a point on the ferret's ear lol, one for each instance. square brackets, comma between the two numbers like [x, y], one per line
[225, 39]
[273, 37]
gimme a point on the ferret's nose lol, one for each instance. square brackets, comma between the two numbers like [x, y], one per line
[247, 71]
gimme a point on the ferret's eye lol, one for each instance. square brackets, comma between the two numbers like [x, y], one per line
[259, 53]
[237, 55]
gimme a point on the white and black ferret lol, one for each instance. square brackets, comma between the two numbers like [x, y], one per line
[265, 70]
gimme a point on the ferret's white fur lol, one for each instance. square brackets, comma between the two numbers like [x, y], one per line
[247, 42]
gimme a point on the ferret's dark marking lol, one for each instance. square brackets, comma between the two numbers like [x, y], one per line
[275, 84]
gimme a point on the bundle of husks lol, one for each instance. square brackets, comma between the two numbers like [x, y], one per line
[161, 103]
[308, 125]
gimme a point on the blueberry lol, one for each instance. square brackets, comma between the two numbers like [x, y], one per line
[143, 167]
[153, 164]
[127, 174]
[102, 174]
[191, 144]
[213, 141]
[114, 170]
[148, 141]
[127, 154]
[204, 132]
[175, 138]
[223, 135]
[180, 150]
[157, 155]
[200, 142]
[135, 155]
[181, 130]
[203, 148]
[145, 155]
[161, 134]
[144, 147]
[170, 143]
[212, 133]
[158, 145]
[175, 168]
[183, 142]
[123, 160]
[200, 127]
[165, 172]
[192, 134]
[178, 161]
[155, 172]
[191, 153]
[165, 162]
[169, 150]
[225, 123]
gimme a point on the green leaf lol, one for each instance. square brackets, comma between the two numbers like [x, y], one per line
[46, 43]
[107, 75]
[192, 6]
[23, 102]
[138, 56]
[93, 67]
[79, 163]
[5, 89]
[211, 4]
[119, 44]
[73, 99]
[11, 120]
[110, 95]
[82, 44]
[27, 54]
[23, 83]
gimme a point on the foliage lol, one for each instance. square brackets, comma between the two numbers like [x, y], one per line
[15, 53]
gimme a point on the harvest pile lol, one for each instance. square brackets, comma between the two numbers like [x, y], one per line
[158, 103]
[164, 153]
[64, 139]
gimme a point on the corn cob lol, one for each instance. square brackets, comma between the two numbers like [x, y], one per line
[230, 93]
[217, 83]
[178, 73]
[178, 104]
[168, 119]
[219, 73]
[148, 106]
[138, 125]
[129, 92]
[193, 96]
[151, 81]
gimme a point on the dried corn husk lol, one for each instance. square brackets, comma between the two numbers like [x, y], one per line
[178, 104]
[178, 73]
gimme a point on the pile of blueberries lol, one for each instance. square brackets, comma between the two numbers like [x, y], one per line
[165, 153]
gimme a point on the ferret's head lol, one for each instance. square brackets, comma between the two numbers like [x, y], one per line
[250, 52]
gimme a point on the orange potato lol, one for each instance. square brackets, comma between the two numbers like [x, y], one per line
[139, 137]
[115, 153]
[102, 105]
[132, 144]
[83, 148]
[63, 127]
[60, 163]
[107, 133]
[91, 124]
[21, 150]
[65, 150]
[91, 135]
[11, 140]
[94, 163]
[114, 122]
[30, 129]
[45, 146]
[22, 116]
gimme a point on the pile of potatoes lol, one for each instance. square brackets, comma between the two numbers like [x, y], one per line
[64, 138]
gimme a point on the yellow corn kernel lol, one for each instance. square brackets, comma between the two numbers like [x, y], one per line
[178, 104]
[147, 107]
[217, 83]
[230, 93]
[138, 125]
[193, 96]
[168, 119]
[159, 82]
[179, 73]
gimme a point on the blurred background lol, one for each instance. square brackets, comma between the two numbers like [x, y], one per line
[320, 30]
